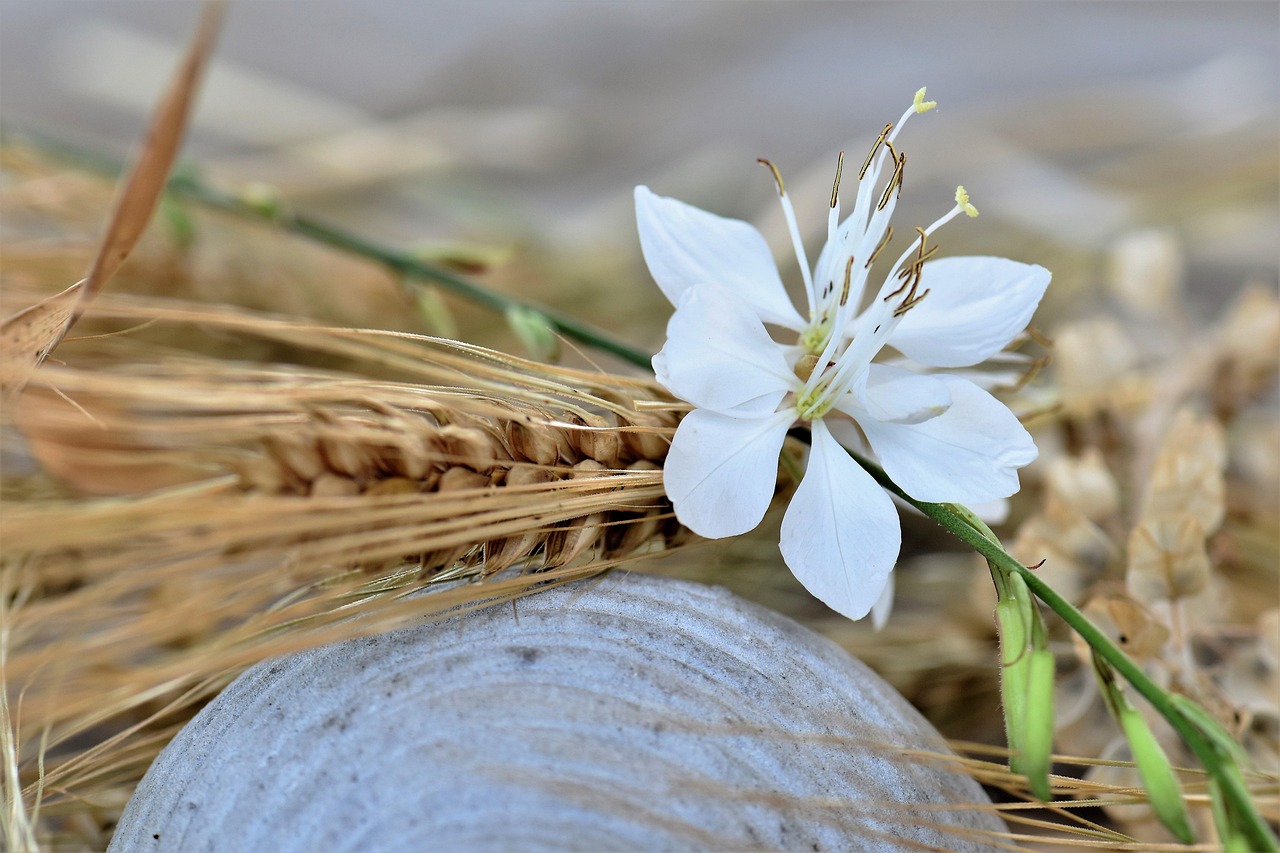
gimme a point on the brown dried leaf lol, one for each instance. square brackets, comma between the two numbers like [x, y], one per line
[28, 336]
[142, 190]
[1095, 364]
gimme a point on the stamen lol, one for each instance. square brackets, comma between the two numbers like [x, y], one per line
[866, 164]
[835, 189]
[848, 270]
[884, 241]
[796, 242]
[910, 275]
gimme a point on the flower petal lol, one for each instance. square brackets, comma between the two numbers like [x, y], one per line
[721, 471]
[969, 454]
[975, 306]
[684, 246]
[719, 356]
[883, 607]
[895, 395]
[840, 536]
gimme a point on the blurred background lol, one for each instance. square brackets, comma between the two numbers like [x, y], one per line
[1133, 148]
[518, 129]
[1129, 147]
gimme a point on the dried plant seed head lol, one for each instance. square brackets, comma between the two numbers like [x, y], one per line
[263, 476]
[1146, 270]
[473, 447]
[647, 439]
[1138, 631]
[298, 456]
[573, 538]
[529, 474]
[595, 439]
[1167, 559]
[345, 456]
[394, 486]
[499, 554]
[634, 533]
[1086, 484]
[1188, 477]
[1095, 364]
[330, 485]
[459, 478]
[588, 468]
[535, 443]
[411, 454]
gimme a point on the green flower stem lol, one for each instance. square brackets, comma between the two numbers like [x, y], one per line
[185, 183]
[188, 186]
[1220, 768]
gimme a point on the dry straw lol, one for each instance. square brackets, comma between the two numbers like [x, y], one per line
[249, 510]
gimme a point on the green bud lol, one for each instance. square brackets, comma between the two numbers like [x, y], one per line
[435, 311]
[1158, 779]
[1230, 836]
[264, 200]
[1037, 735]
[175, 215]
[1157, 774]
[535, 332]
[1015, 671]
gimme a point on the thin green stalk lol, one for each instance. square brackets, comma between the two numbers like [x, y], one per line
[1234, 793]
[185, 183]
[190, 187]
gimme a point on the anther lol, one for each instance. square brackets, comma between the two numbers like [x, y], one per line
[910, 275]
[835, 189]
[908, 304]
[884, 241]
[777, 176]
[895, 180]
[848, 270]
[866, 164]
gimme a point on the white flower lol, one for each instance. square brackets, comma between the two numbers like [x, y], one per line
[939, 437]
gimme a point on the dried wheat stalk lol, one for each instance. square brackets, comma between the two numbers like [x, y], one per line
[246, 511]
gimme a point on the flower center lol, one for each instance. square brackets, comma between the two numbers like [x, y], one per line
[814, 403]
[814, 338]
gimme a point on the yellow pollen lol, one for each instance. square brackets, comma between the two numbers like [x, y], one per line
[815, 404]
[804, 367]
[814, 338]
[921, 105]
[962, 199]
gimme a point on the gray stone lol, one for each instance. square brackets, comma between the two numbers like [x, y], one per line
[629, 713]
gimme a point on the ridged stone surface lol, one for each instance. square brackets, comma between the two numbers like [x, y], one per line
[630, 713]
